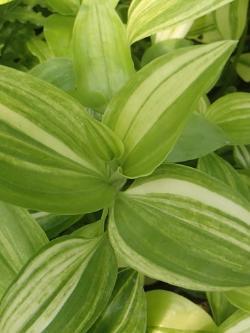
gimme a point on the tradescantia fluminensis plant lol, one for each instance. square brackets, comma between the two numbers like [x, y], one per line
[124, 155]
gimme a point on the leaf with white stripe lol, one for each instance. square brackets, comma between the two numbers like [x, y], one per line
[63, 289]
[53, 156]
[146, 17]
[240, 298]
[175, 313]
[239, 322]
[232, 114]
[126, 311]
[20, 239]
[231, 19]
[217, 167]
[150, 112]
[101, 53]
[242, 156]
[182, 227]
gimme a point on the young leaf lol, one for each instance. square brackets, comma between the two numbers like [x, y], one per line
[149, 113]
[220, 306]
[53, 224]
[63, 289]
[64, 7]
[232, 114]
[126, 311]
[231, 19]
[199, 137]
[190, 230]
[239, 322]
[102, 56]
[20, 239]
[147, 17]
[58, 31]
[217, 167]
[243, 67]
[172, 311]
[53, 156]
[240, 298]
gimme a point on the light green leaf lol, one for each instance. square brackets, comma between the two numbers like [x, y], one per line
[40, 49]
[199, 137]
[126, 311]
[217, 167]
[63, 289]
[243, 67]
[150, 112]
[58, 31]
[242, 156]
[53, 156]
[176, 32]
[232, 114]
[171, 311]
[53, 224]
[2, 2]
[220, 306]
[102, 58]
[231, 19]
[64, 7]
[239, 322]
[240, 298]
[20, 239]
[147, 17]
[190, 230]
[57, 71]
[91, 230]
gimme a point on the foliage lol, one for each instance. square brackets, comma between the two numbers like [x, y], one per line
[124, 166]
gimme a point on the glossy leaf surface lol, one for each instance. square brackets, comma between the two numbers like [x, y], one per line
[193, 231]
[150, 112]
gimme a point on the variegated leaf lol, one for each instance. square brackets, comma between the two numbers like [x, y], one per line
[243, 67]
[231, 19]
[239, 322]
[240, 298]
[232, 114]
[102, 58]
[220, 306]
[147, 17]
[20, 239]
[242, 156]
[63, 289]
[53, 156]
[126, 311]
[182, 227]
[149, 113]
[217, 167]
[174, 313]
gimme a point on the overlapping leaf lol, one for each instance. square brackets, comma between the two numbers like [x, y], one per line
[239, 322]
[53, 156]
[63, 289]
[149, 113]
[182, 227]
[20, 239]
[240, 298]
[220, 306]
[243, 67]
[126, 311]
[147, 17]
[232, 114]
[64, 7]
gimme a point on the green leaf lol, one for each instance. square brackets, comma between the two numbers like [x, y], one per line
[199, 137]
[40, 49]
[217, 167]
[126, 311]
[240, 298]
[20, 239]
[242, 156]
[150, 112]
[147, 17]
[190, 230]
[232, 114]
[100, 51]
[239, 322]
[2, 2]
[243, 67]
[171, 311]
[63, 289]
[231, 19]
[91, 230]
[53, 156]
[220, 306]
[53, 224]
[58, 31]
[57, 71]
[64, 7]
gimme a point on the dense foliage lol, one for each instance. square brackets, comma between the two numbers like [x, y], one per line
[124, 166]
